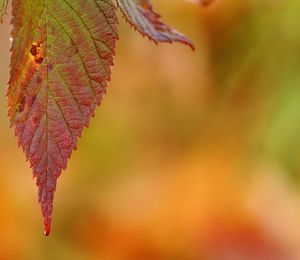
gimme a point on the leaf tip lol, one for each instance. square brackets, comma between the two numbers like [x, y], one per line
[47, 229]
[47, 223]
[190, 44]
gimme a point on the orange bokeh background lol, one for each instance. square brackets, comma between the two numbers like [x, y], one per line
[191, 156]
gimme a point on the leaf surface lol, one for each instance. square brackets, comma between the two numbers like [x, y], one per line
[60, 64]
[140, 14]
[3, 7]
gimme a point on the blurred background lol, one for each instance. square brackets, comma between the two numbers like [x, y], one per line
[191, 156]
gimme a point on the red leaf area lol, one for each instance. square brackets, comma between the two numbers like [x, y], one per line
[60, 65]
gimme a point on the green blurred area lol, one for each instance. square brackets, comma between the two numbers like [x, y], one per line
[191, 156]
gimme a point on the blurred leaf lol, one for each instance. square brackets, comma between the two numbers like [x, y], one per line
[140, 14]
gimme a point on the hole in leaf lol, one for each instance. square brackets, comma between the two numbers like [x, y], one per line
[21, 105]
[35, 51]
[39, 60]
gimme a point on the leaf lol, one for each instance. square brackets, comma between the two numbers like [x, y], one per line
[60, 64]
[140, 14]
[3, 8]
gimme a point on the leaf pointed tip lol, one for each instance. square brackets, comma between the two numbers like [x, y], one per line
[47, 225]
[47, 229]
[190, 44]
